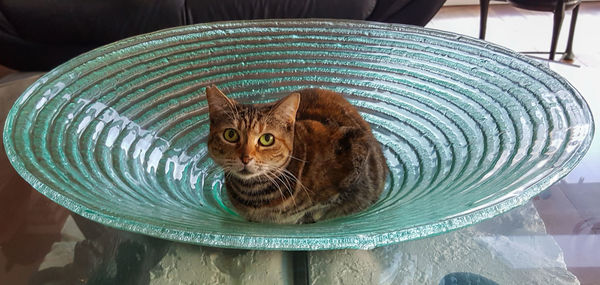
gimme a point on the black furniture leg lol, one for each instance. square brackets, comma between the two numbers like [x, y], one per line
[559, 14]
[483, 14]
[569, 51]
[300, 267]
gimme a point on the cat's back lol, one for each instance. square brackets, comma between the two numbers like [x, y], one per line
[329, 108]
[342, 161]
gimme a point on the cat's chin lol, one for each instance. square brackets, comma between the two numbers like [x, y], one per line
[245, 174]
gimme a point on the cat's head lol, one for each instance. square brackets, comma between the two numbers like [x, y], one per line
[251, 140]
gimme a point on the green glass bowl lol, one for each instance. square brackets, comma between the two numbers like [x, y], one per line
[469, 129]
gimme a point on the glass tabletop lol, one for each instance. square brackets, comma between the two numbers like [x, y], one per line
[551, 240]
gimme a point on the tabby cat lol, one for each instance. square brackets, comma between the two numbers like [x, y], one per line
[307, 157]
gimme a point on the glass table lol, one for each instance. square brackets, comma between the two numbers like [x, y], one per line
[554, 239]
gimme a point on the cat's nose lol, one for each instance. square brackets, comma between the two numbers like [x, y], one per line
[246, 159]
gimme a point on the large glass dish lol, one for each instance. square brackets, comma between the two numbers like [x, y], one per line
[470, 130]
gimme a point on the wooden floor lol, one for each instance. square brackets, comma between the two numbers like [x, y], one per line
[527, 31]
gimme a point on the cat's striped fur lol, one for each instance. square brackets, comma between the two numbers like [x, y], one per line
[324, 162]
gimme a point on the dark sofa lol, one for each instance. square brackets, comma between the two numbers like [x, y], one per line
[41, 34]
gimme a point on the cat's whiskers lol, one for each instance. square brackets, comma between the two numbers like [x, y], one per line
[228, 167]
[287, 173]
[268, 175]
[213, 170]
[271, 174]
[287, 185]
[298, 159]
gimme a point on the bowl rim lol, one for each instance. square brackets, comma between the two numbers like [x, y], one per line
[362, 241]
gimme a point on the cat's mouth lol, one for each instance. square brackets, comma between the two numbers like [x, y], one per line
[245, 173]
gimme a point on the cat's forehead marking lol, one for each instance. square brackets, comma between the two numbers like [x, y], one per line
[252, 124]
[249, 118]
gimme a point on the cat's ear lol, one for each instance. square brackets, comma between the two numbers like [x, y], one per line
[217, 101]
[286, 108]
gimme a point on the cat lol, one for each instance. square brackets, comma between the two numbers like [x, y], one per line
[306, 157]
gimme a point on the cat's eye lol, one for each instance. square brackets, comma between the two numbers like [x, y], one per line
[266, 140]
[231, 135]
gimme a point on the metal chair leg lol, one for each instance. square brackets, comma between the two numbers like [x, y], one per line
[483, 6]
[569, 51]
[559, 14]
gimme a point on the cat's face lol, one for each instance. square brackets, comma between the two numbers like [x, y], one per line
[251, 140]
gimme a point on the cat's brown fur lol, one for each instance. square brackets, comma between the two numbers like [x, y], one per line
[325, 161]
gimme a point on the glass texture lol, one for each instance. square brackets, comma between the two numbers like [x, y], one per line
[470, 130]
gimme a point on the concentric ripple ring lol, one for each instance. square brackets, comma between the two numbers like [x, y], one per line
[469, 129]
